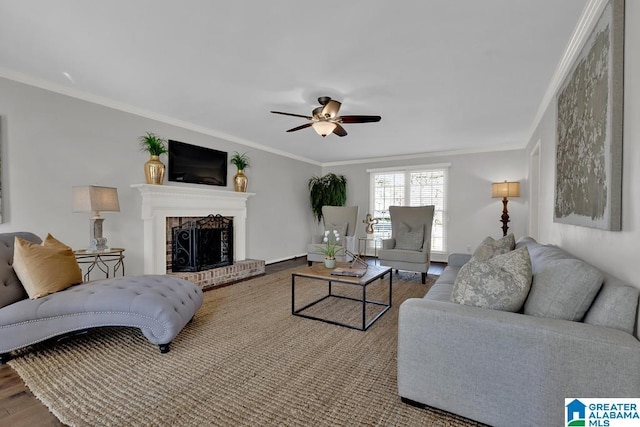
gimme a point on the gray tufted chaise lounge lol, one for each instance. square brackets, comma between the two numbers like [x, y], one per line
[159, 305]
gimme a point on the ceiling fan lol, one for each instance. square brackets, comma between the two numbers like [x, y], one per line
[325, 119]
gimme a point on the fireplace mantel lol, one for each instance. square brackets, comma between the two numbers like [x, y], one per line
[162, 201]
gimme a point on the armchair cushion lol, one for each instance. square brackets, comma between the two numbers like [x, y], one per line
[408, 238]
[403, 255]
[388, 243]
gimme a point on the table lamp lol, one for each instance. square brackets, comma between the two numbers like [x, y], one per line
[505, 190]
[96, 199]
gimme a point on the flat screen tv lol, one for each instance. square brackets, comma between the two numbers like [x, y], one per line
[197, 165]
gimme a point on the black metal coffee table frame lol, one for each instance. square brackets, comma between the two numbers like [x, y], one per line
[319, 272]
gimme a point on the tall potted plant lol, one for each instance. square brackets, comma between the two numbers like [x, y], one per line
[153, 168]
[327, 190]
[240, 180]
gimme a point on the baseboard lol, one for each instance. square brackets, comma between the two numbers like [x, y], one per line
[289, 258]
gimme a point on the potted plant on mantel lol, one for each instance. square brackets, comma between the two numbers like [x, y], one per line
[153, 168]
[327, 190]
[240, 180]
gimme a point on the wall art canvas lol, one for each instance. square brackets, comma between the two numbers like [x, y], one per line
[588, 185]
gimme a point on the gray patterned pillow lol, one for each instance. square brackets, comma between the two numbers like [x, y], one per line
[490, 247]
[409, 239]
[500, 283]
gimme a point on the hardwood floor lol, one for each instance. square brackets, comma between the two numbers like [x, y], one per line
[20, 408]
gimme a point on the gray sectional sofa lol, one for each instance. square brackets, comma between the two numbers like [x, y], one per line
[160, 306]
[504, 368]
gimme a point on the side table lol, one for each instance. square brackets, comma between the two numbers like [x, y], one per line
[109, 262]
[363, 253]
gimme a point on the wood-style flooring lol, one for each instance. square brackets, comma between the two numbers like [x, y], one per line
[20, 408]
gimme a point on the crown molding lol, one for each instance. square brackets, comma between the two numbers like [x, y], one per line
[590, 15]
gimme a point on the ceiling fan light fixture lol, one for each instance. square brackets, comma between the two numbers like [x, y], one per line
[323, 128]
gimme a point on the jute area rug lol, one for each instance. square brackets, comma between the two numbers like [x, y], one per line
[243, 361]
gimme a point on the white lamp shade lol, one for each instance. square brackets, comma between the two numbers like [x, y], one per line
[93, 198]
[323, 128]
[505, 189]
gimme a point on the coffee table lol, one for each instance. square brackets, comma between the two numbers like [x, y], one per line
[320, 273]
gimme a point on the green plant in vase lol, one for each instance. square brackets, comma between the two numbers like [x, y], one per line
[153, 168]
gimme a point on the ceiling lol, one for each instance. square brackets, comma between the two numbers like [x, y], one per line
[444, 75]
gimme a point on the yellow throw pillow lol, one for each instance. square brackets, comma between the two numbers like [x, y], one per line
[47, 268]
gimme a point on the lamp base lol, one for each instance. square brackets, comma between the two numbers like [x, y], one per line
[505, 217]
[97, 243]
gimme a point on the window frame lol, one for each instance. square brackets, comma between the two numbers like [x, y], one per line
[406, 171]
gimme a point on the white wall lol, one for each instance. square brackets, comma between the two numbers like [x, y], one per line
[51, 142]
[614, 252]
[472, 213]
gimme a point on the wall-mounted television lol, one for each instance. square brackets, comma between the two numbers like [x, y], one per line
[197, 165]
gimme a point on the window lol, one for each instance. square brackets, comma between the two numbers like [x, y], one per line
[417, 186]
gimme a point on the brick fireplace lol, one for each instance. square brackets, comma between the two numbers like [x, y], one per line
[160, 202]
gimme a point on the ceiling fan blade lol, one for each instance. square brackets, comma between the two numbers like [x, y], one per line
[306, 125]
[331, 109]
[291, 114]
[339, 130]
[358, 119]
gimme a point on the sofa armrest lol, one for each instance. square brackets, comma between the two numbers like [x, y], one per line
[458, 259]
[505, 368]
[388, 243]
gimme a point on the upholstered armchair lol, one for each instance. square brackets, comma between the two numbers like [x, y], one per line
[340, 218]
[409, 247]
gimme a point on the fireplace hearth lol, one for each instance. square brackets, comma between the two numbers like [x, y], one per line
[202, 244]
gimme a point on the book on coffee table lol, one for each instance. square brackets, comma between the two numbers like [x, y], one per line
[349, 271]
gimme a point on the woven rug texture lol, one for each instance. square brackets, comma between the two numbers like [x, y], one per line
[245, 360]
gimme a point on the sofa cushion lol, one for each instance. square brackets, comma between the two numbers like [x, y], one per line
[47, 268]
[440, 292]
[614, 307]
[408, 238]
[500, 283]
[11, 290]
[490, 247]
[563, 289]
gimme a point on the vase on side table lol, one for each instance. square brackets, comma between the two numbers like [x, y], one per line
[330, 262]
[154, 171]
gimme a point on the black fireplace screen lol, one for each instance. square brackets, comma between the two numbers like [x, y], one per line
[202, 244]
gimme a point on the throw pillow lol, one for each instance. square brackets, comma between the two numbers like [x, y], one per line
[615, 307]
[563, 289]
[490, 247]
[409, 239]
[341, 229]
[45, 269]
[499, 283]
